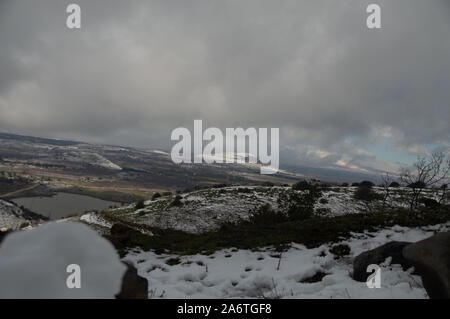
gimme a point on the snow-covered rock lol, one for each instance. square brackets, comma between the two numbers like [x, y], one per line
[33, 263]
[431, 258]
[12, 216]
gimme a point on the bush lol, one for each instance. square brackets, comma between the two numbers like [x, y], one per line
[140, 204]
[300, 206]
[301, 186]
[265, 215]
[311, 233]
[220, 185]
[267, 184]
[340, 250]
[355, 184]
[418, 184]
[23, 225]
[429, 202]
[366, 183]
[156, 195]
[366, 193]
[322, 212]
[177, 201]
[394, 184]
[344, 184]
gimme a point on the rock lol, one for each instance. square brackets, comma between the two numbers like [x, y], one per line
[133, 285]
[3, 233]
[431, 260]
[378, 256]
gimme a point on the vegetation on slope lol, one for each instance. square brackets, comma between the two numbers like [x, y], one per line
[297, 222]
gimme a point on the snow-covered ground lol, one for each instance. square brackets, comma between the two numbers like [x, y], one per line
[11, 216]
[205, 210]
[233, 273]
[299, 272]
[91, 158]
[95, 219]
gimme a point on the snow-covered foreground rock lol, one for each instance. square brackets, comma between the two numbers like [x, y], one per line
[233, 273]
[33, 263]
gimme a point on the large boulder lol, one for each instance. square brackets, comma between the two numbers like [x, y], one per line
[431, 260]
[133, 285]
[377, 256]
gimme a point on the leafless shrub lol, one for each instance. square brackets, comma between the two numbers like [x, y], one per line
[386, 181]
[427, 171]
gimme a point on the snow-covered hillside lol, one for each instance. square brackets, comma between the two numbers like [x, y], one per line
[90, 158]
[13, 217]
[206, 210]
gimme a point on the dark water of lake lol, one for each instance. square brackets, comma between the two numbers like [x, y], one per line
[63, 204]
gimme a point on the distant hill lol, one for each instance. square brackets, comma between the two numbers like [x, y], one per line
[34, 139]
[139, 171]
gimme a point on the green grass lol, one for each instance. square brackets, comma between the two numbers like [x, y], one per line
[311, 232]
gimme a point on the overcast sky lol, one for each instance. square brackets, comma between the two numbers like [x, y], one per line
[341, 94]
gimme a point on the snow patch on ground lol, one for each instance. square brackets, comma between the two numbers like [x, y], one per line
[91, 158]
[95, 219]
[233, 273]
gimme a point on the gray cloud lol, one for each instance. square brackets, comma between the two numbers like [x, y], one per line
[137, 69]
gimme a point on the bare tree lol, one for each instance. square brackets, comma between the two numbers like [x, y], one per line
[425, 172]
[444, 188]
[386, 181]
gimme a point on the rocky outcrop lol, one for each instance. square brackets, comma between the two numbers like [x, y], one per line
[133, 285]
[377, 256]
[431, 260]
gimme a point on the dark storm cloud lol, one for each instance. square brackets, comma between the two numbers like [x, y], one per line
[138, 69]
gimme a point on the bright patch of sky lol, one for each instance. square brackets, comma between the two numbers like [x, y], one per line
[386, 151]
